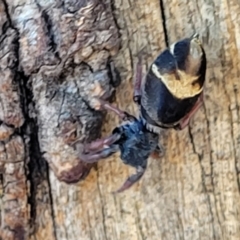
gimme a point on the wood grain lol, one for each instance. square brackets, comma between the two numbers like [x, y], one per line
[53, 54]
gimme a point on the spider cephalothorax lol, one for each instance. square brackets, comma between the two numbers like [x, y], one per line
[134, 141]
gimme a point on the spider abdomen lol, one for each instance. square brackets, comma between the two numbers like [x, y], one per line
[160, 106]
[174, 83]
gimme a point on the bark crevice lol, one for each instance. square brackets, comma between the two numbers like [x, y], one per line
[164, 24]
[37, 169]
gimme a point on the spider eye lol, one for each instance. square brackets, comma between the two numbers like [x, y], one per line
[116, 130]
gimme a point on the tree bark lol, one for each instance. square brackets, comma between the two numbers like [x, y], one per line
[55, 57]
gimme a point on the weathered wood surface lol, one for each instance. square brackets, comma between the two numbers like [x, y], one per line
[53, 55]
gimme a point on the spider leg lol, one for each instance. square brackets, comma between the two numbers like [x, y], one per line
[132, 179]
[158, 152]
[138, 82]
[100, 143]
[122, 114]
[185, 121]
[93, 157]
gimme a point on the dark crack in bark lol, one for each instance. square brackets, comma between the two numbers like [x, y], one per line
[36, 165]
[237, 164]
[164, 22]
[203, 175]
[211, 165]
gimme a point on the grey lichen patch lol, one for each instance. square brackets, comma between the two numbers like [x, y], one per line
[66, 49]
[50, 35]
[64, 117]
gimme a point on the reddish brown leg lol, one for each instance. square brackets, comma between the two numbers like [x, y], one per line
[101, 148]
[137, 82]
[123, 115]
[185, 121]
[132, 179]
[100, 143]
[158, 152]
[96, 156]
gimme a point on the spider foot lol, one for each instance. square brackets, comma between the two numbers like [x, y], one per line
[158, 152]
[131, 180]
[185, 121]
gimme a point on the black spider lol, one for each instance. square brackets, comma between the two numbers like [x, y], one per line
[168, 97]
